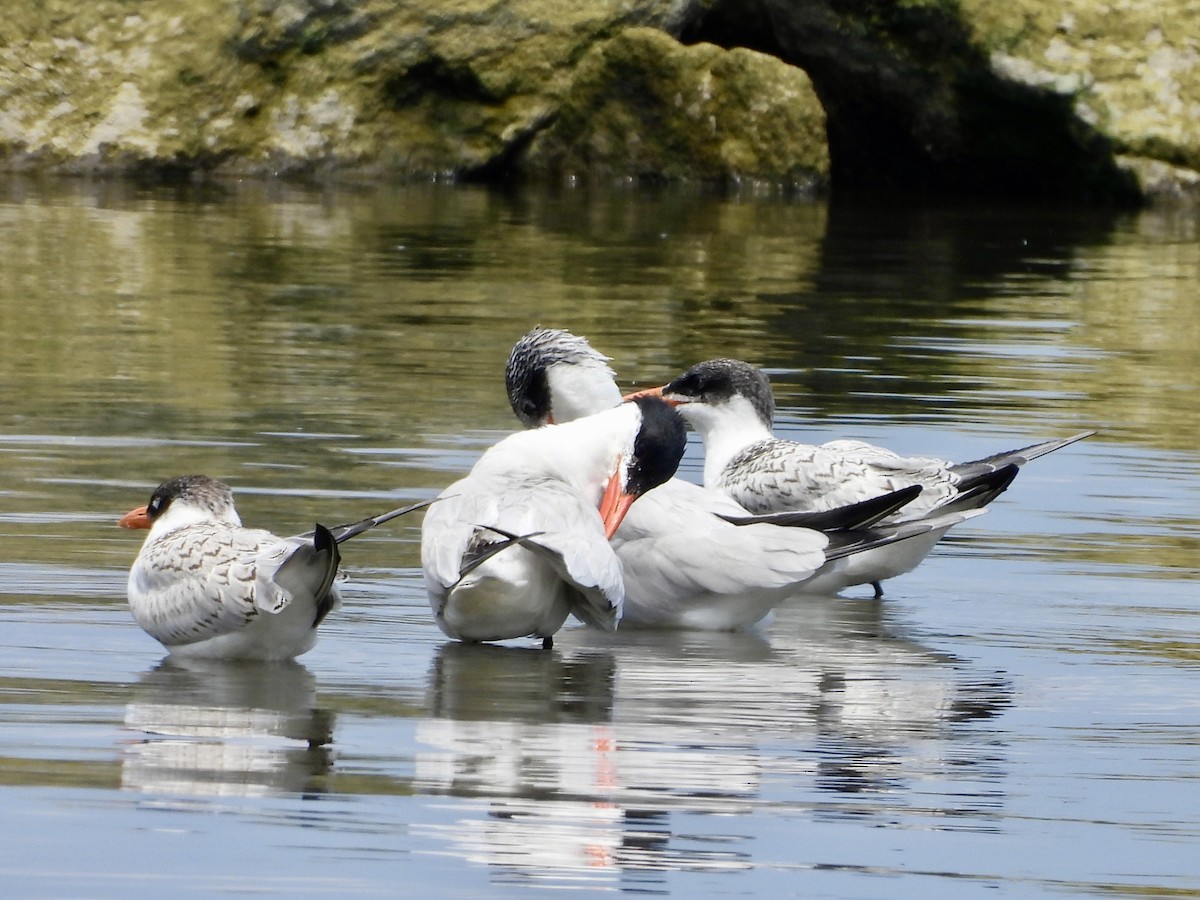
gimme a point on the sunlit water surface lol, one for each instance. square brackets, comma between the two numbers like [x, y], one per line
[1020, 716]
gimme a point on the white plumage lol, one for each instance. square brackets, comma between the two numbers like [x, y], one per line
[522, 541]
[684, 565]
[203, 585]
[730, 403]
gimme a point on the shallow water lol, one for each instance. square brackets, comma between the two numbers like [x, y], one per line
[1017, 717]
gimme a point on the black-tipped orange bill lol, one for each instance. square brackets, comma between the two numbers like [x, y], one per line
[135, 518]
[614, 504]
[651, 392]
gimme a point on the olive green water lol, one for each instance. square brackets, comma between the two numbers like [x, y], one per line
[1020, 716]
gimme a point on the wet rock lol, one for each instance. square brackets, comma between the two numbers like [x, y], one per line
[1130, 69]
[1068, 99]
[913, 102]
[641, 104]
[338, 86]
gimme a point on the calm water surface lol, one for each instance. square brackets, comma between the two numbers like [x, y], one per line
[1018, 717]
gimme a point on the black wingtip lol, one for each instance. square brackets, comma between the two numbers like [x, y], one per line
[473, 559]
[343, 533]
[325, 544]
[979, 491]
[1019, 456]
[863, 514]
[323, 539]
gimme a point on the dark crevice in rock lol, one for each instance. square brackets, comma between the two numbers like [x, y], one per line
[913, 104]
[436, 77]
[507, 165]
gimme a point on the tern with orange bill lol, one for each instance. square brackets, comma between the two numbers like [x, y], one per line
[203, 585]
[692, 557]
[731, 405]
[522, 541]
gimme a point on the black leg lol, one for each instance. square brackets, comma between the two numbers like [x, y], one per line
[547, 642]
[878, 589]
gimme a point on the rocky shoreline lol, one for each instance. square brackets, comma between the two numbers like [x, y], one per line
[1067, 100]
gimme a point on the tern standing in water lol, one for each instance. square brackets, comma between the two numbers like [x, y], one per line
[686, 564]
[205, 586]
[523, 540]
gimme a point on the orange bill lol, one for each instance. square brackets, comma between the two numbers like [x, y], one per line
[614, 504]
[651, 392]
[135, 518]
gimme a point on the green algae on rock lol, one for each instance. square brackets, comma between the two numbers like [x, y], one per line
[1068, 99]
[641, 104]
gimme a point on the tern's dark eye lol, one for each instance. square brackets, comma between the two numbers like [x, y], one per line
[156, 505]
[690, 386]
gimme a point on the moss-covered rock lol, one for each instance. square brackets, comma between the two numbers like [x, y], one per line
[641, 104]
[268, 84]
[1062, 98]
[356, 86]
[914, 104]
[1130, 68]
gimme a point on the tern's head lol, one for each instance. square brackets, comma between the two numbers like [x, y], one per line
[720, 396]
[658, 446]
[555, 376]
[652, 454]
[182, 501]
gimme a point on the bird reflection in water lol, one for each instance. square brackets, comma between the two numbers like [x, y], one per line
[598, 756]
[224, 728]
[530, 731]
[891, 714]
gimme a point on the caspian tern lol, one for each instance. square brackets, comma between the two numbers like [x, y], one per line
[204, 586]
[686, 564]
[731, 405]
[514, 547]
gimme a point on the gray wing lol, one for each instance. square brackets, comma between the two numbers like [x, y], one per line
[1018, 457]
[197, 583]
[205, 581]
[780, 476]
[446, 534]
